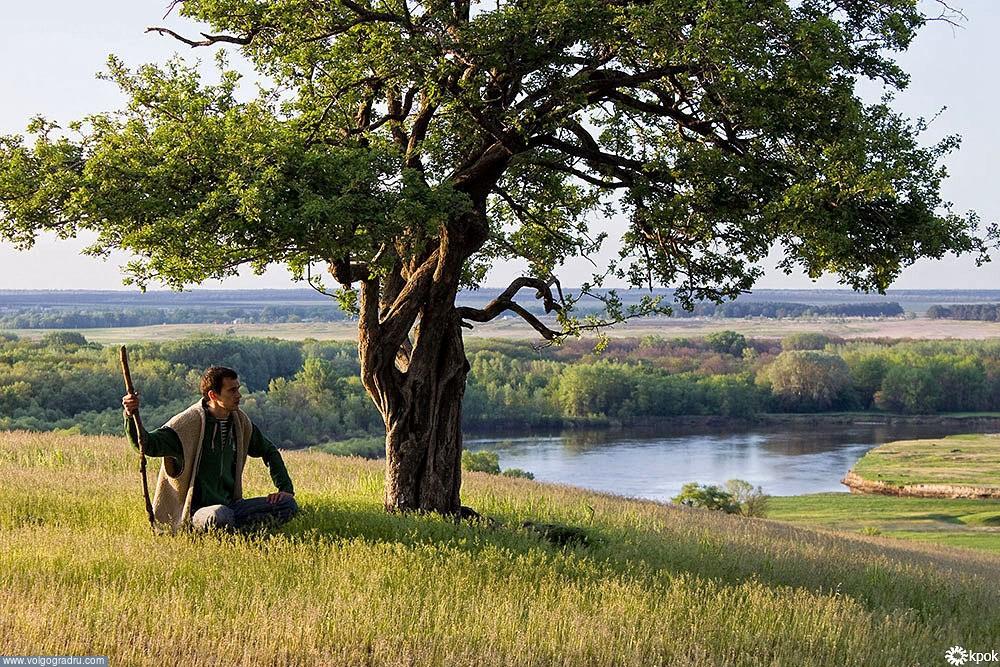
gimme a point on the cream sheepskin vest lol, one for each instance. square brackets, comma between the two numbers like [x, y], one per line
[175, 488]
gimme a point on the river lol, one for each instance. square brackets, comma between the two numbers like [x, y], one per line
[655, 463]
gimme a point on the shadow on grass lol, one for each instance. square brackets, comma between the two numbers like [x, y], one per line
[944, 518]
[373, 524]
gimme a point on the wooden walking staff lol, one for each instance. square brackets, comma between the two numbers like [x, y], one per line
[140, 436]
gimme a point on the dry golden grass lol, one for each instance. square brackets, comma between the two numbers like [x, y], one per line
[346, 584]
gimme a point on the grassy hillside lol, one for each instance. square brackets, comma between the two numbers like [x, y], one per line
[346, 584]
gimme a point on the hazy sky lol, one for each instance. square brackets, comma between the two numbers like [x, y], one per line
[53, 48]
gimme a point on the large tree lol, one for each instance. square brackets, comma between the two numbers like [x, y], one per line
[407, 146]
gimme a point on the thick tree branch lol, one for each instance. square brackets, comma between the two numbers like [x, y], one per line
[593, 84]
[478, 178]
[419, 131]
[392, 284]
[704, 128]
[404, 354]
[505, 302]
[476, 316]
[536, 324]
[378, 370]
[368, 306]
[347, 273]
[370, 15]
[594, 157]
[398, 110]
[398, 319]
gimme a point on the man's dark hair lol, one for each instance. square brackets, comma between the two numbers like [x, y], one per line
[213, 377]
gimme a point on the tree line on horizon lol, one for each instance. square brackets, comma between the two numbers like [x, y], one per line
[986, 312]
[42, 317]
[779, 309]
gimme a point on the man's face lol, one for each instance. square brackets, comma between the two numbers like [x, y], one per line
[228, 398]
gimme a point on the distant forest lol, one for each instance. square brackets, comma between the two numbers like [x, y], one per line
[84, 318]
[987, 312]
[309, 392]
[94, 309]
[777, 309]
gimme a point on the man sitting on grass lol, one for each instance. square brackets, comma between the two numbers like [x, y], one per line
[204, 449]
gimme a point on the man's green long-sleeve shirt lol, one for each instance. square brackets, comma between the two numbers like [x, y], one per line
[216, 472]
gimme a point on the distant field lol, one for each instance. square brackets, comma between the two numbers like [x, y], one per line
[514, 328]
[966, 465]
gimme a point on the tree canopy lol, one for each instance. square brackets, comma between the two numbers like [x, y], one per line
[716, 128]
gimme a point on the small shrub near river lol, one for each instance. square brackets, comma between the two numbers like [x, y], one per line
[737, 497]
[489, 462]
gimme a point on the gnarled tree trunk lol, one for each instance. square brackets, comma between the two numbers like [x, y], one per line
[413, 362]
[413, 365]
[423, 442]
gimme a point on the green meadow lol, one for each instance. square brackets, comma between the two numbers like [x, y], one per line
[346, 584]
[969, 523]
[958, 460]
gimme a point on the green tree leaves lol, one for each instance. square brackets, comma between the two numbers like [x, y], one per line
[717, 129]
[808, 381]
[196, 183]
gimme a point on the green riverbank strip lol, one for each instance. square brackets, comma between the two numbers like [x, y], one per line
[969, 523]
[960, 464]
[959, 460]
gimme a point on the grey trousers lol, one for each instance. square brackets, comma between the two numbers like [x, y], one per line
[246, 513]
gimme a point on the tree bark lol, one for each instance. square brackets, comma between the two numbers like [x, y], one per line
[414, 367]
[423, 441]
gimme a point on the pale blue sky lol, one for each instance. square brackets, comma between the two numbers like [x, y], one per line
[52, 49]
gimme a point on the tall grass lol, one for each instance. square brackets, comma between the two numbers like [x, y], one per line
[346, 584]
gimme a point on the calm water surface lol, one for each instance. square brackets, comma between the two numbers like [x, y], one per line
[784, 460]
